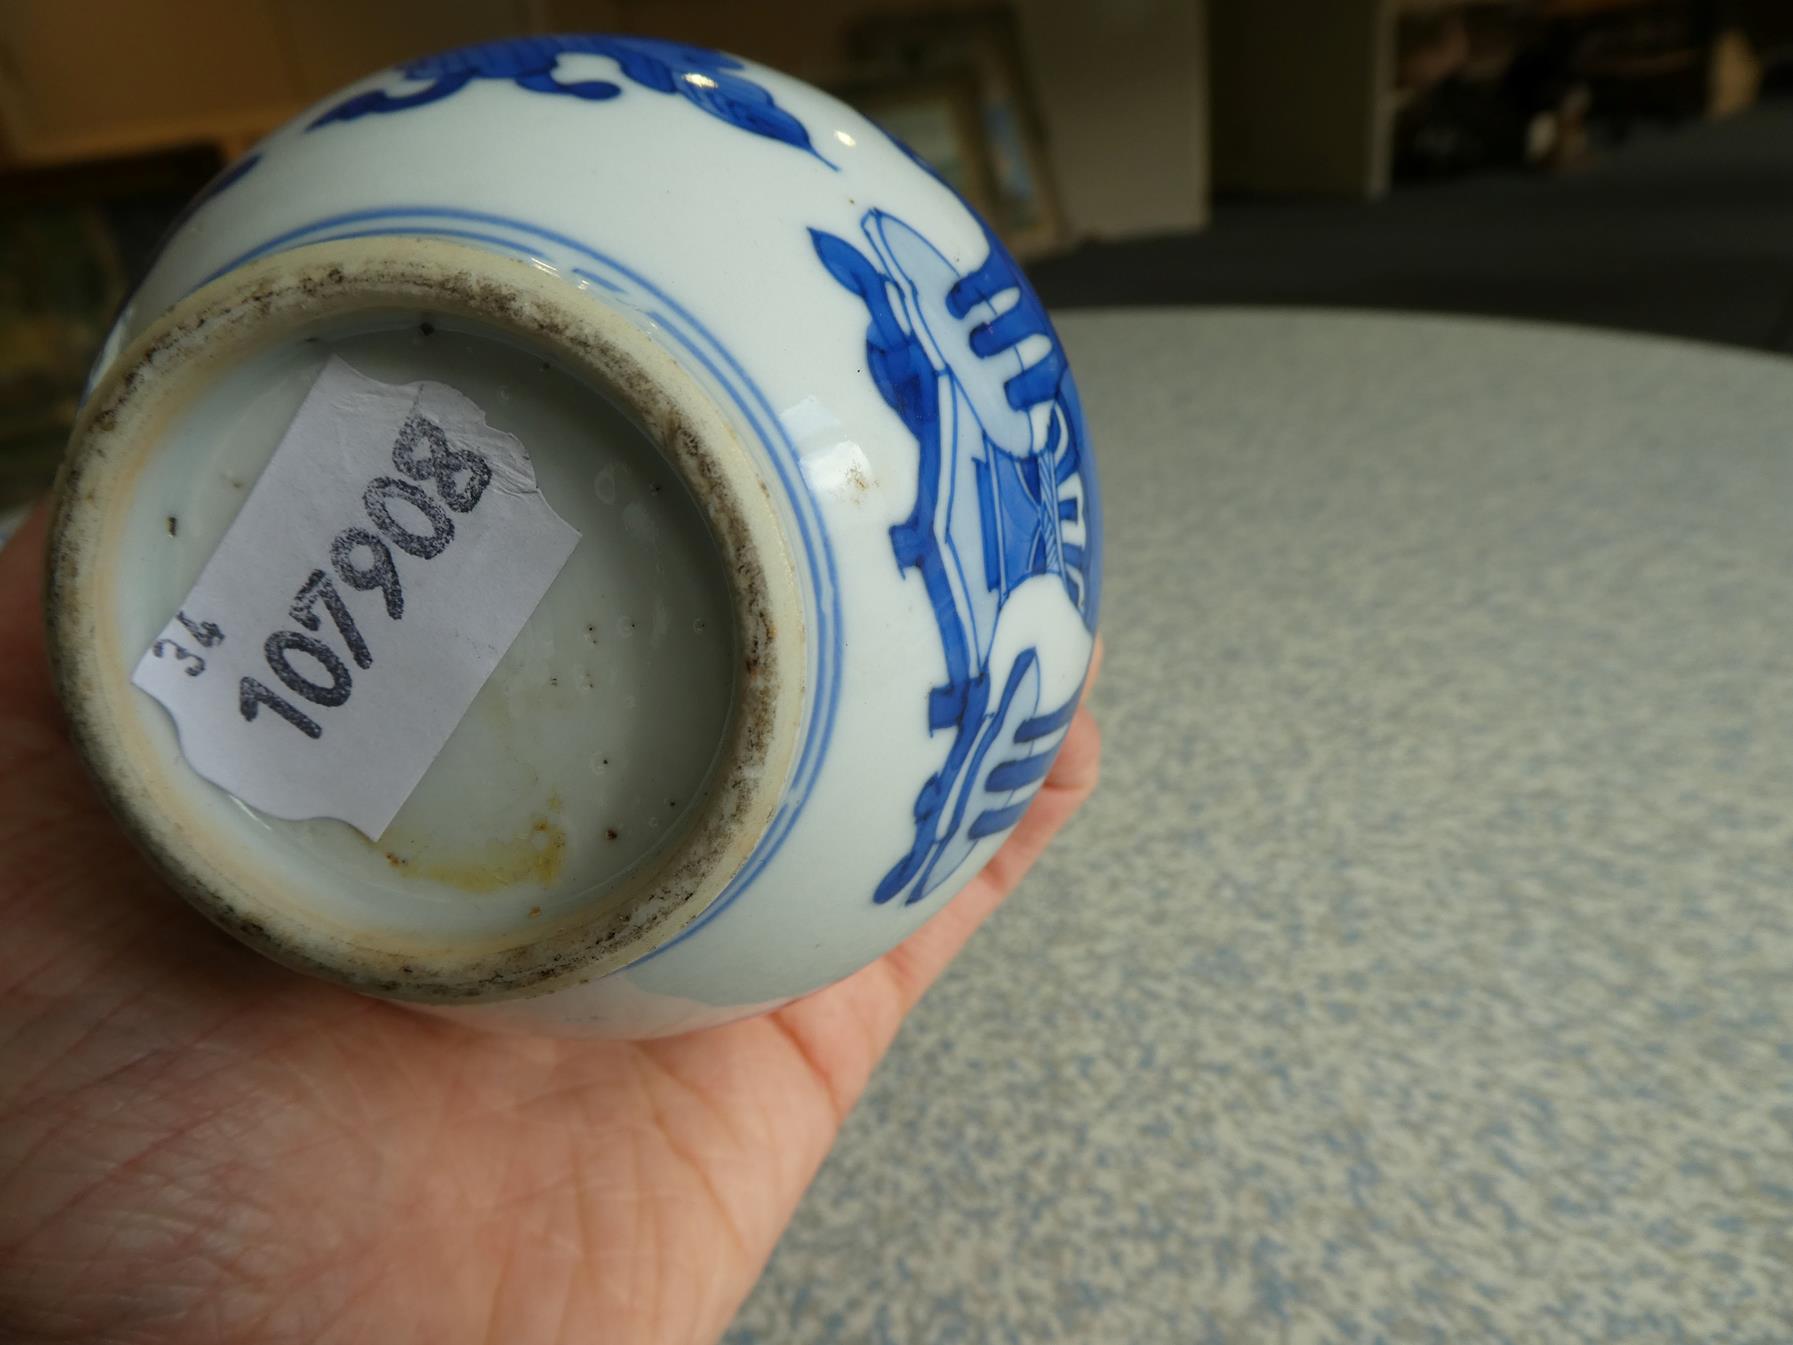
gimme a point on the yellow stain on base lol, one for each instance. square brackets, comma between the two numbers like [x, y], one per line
[535, 856]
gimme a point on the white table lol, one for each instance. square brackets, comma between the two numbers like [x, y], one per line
[1424, 969]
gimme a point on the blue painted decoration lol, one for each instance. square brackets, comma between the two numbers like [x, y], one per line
[705, 78]
[226, 178]
[1003, 502]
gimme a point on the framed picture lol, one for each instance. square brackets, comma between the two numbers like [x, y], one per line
[940, 118]
[980, 46]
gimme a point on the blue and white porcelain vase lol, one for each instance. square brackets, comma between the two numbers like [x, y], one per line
[836, 587]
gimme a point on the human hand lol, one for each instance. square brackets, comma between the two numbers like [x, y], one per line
[197, 1146]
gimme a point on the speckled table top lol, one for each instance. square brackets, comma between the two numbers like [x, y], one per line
[1424, 969]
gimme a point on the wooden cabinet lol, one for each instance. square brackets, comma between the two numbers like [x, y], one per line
[109, 77]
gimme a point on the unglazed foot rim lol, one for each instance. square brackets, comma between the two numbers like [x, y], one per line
[272, 301]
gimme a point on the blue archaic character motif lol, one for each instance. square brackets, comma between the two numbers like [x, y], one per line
[1005, 513]
[703, 77]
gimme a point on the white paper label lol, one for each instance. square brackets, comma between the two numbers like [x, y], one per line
[379, 569]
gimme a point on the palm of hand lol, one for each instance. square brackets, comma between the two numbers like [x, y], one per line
[196, 1146]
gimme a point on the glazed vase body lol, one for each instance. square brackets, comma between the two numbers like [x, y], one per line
[880, 364]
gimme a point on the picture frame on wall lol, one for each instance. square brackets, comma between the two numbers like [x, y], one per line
[979, 49]
[939, 118]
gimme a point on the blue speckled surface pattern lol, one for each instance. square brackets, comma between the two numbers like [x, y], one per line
[1424, 969]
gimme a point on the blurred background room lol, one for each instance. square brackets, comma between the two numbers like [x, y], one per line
[1420, 970]
[1614, 162]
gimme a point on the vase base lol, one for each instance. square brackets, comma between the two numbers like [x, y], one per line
[626, 752]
